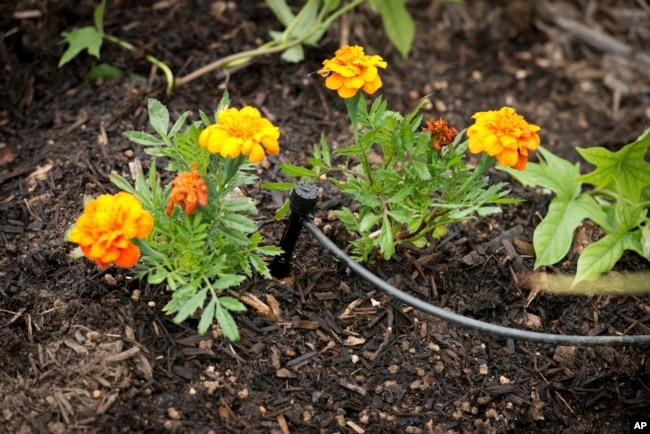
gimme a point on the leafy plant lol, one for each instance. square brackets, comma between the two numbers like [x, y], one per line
[615, 196]
[203, 239]
[409, 183]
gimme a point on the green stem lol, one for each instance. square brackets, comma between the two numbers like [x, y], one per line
[169, 75]
[352, 105]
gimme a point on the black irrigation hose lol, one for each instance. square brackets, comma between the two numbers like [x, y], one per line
[463, 321]
[303, 200]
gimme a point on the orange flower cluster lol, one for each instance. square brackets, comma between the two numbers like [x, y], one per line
[188, 191]
[441, 133]
[351, 70]
[504, 134]
[241, 132]
[106, 227]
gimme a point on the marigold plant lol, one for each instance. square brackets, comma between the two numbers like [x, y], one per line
[410, 183]
[211, 246]
[503, 134]
[107, 227]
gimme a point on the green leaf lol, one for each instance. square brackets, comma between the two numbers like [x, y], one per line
[190, 306]
[601, 256]
[142, 138]
[421, 170]
[99, 16]
[281, 11]
[158, 116]
[348, 219]
[239, 223]
[180, 122]
[103, 71]
[281, 186]
[386, 240]
[645, 241]
[283, 210]
[243, 204]
[232, 304]
[367, 222]
[625, 171]
[297, 171]
[294, 54]
[85, 38]
[227, 323]
[553, 173]
[228, 281]
[269, 250]
[398, 24]
[206, 317]
[553, 236]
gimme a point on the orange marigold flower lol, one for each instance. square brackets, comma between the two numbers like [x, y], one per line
[106, 227]
[504, 134]
[240, 132]
[188, 191]
[351, 70]
[441, 133]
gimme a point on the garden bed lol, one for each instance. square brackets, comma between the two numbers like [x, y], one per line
[89, 350]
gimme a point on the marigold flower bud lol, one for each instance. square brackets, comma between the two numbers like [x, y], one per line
[188, 191]
[503, 134]
[241, 132]
[351, 70]
[441, 133]
[106, 227]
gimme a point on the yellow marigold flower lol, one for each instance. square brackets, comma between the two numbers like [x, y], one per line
[441, 133]
[106, 227]
[240, 132]
[504, 134]
[188, 191]
[351, 70]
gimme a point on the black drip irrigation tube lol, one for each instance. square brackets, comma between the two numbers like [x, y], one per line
[303, 200]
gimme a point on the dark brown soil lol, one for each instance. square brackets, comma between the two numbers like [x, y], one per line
[89, 350]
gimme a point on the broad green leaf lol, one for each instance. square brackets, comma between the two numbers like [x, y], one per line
[625, 171]
[386, 240]
[207, 316]
[228, 281]
[553, 173]
[553, 236]
[227, 323]
[645, 241]
[294, 54]
[281, 11]
[85, 38]
[401, 216]
[158, 116]
[232, 304]
[601, 256]
[401, 195]
[398, 24]
[259, 265]
[190, 306]
[243, 204]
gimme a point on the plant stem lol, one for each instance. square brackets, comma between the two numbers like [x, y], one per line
[352, 105]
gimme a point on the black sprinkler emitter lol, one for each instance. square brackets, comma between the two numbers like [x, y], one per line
[302, 202]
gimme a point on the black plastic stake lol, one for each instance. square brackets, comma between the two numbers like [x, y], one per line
[302, 201]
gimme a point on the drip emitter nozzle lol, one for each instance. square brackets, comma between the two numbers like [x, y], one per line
[302, 202]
